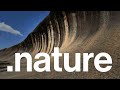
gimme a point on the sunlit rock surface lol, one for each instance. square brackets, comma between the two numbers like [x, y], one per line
[73, 32]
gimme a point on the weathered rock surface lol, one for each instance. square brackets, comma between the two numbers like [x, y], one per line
[73, 32]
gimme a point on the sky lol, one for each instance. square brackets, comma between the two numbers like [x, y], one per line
[16, 25]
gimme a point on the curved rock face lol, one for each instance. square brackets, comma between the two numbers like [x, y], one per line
[73, 32]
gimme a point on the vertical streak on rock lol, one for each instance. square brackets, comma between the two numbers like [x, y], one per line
[49, 41]
[74, 28]
[52, 36]
[66, 32]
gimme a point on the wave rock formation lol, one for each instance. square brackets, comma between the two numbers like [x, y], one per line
[73, 32]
